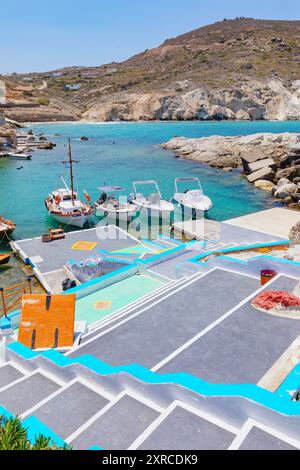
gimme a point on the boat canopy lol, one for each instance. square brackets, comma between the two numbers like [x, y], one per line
[110, 189]
[187, 180]
[64, 193]
[149, 182]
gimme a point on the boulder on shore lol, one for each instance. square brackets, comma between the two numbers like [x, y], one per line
[47, 146]
[264, 185]
[268, 162]
[294, 234]
[263, 174]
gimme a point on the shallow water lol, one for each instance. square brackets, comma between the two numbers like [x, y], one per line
[119, 154]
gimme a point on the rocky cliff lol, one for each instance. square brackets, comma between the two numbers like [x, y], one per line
[256, 100]
[243, 69]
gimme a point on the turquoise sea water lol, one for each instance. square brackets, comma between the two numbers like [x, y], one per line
[119, 154]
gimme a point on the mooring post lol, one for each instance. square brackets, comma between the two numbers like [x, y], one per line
[3, 301]
[29, 279]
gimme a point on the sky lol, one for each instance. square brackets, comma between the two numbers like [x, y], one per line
[42, 35]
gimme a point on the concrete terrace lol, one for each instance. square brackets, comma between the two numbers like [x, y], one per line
[52, 256]
[277, 221]
[181, 362]
[187, 329]
[48, 259]
[85, 405]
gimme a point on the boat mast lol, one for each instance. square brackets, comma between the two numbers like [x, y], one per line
[71, 171]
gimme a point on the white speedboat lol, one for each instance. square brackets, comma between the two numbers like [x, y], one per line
[109, 205]
[153, 204]
[65, 206]
[191, 201]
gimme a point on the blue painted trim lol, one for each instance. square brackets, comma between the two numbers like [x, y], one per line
[234, 260]
[99, 280]
[156, 244]
[160, 256]
[198, 258]
[5, 323]
[174, 240]
[35, 427]
[249, 392]
[254, 246]
[4, 412]
[290, 385]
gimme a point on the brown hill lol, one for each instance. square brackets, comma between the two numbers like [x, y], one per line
[235, 69]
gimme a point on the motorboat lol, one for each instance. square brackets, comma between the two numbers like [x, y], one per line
[119, 208]
[64, 205]
[19, 156]
[190, 201]
[152, 204]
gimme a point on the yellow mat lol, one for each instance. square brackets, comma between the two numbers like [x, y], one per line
[84, 246]
[103, 305]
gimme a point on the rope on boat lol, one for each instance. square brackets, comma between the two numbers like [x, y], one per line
[5, 235]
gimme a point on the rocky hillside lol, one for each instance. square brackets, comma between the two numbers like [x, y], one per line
[234, 69]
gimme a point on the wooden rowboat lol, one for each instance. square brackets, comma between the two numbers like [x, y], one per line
[4, 258]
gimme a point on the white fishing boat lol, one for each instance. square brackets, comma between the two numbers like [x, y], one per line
[191, 201]
[19, 156]
[64, 204]
[108, 204]
[152, 204]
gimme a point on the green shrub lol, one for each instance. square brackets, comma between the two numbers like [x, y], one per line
[13, 436]
[43, 101]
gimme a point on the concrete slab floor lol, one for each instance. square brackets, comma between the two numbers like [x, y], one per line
[277, 221]
[183, 430]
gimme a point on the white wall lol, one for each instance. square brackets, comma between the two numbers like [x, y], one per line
[2, 93]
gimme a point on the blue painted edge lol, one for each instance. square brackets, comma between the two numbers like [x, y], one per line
[4, 412]
[290, 385]
[99, 280]
[35, 427]
[197, 259]
[251, 392]
[165, 254]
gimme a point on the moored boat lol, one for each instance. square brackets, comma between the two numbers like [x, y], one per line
[109, 205]
[64, 204]
[191, 201]
[19, 156]
[152, 204]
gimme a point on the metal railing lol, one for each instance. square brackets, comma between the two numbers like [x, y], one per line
[11, 297]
